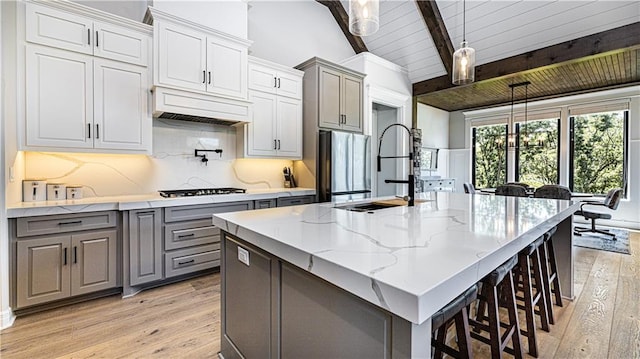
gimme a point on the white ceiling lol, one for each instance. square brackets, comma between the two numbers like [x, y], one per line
[495, 29]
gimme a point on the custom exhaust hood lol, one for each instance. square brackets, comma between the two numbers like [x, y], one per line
[183, 105]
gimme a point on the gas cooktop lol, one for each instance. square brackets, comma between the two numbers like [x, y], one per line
[200, 192]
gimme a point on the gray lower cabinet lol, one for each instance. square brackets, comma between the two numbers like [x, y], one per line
[50, 268]
[145, 246]
[294, 201]
[272, 309]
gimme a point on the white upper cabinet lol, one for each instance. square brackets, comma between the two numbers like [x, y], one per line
[57, 117]
[78, 33]
[120, 108]
[192, 57]
[87, 88]
[275, 130]
[268, 79]
[182, 57]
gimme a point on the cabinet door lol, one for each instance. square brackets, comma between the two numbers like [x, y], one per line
[329, 98]
[352, 103]
[262, 78]
[226, 68]
[120, 109]
[145, 246]
[181, 57]
[121, 44]
[261, 137]
[289, 127]
[43, 270]
[93, 262]
[289, 85]
[59, 100]
[58, 29]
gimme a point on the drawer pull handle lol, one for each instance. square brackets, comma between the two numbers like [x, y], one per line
[65, 256]
[187, 262]
[68, 223]
[186, 235]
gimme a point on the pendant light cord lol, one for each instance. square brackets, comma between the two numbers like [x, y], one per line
[464, 21]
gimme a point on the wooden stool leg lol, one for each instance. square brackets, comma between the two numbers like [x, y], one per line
[525, 271]
[494, 322]
[462, 332]
[540, 289]
[554, 272]
[441, 337]
[544, 259]
[513, 316]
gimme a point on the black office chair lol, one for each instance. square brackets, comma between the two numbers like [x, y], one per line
[553, 191]
[611, 201]
[469, 188]
[513, 190]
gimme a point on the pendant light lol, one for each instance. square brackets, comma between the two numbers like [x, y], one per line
[464, 59]
[364, 17]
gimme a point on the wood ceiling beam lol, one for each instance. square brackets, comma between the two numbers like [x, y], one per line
[623, 37]
[432, 18]
[341, 17]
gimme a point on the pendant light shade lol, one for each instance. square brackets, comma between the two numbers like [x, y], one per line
[464, 59]
[464, 65]
[364, 17]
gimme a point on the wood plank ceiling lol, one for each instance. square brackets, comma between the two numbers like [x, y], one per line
[561, 47]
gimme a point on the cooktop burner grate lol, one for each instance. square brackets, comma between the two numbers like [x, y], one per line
[200, 192]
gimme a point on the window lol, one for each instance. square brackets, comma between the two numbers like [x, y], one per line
[538, 153]
[489, 156]
[598, 152]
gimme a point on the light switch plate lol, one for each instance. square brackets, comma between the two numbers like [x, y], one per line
[243, 255]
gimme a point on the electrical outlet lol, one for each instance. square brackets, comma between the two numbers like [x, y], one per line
[243, 255]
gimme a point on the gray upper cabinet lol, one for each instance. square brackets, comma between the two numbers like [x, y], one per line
[145, 246]
[334, 94]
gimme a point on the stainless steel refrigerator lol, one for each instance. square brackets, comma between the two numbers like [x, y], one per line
[344, 166]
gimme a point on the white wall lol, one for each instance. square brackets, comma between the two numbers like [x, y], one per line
[434, 124]
[290, 32]
[131, 9]
[228, 16]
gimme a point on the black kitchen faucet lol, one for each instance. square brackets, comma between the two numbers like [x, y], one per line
[411, 180]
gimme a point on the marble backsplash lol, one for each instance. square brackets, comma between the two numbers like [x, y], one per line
[171, 166]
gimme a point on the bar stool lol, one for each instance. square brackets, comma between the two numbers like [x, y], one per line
[456, 313]
[550, 278]
[533, 291]
[498, 290]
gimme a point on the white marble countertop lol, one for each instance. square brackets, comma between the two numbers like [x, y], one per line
[151, 200]
[409, 260]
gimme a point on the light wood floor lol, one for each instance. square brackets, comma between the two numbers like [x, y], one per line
[183, 320]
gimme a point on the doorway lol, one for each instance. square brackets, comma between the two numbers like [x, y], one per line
[384, 116]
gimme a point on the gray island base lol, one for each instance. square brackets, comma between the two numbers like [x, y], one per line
[316, 281]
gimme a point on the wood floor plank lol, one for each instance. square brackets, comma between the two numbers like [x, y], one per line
[625, 334]
[589, 329]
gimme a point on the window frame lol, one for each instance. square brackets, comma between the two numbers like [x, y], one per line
[517, 150]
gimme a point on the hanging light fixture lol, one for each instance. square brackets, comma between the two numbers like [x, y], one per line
[364, 17]
[527, 136]
[464, 59]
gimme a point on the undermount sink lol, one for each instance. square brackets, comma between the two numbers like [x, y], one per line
[367, 207]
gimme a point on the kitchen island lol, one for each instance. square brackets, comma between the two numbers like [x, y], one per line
[320, 281]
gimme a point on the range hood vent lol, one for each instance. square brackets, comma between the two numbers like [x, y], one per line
[174, 104]
[213, 121]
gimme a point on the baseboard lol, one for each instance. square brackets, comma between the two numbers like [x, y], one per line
[6, 318]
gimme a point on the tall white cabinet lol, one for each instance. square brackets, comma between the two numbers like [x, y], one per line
[86, 80]
[275, 130]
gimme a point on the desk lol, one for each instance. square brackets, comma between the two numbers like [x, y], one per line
[313, 270]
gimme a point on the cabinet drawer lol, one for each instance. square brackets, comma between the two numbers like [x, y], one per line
[264, 203]
[188, 213]
[191, 259]
[188, 234]
[294, 201]
[33, 226]
[59, 29]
